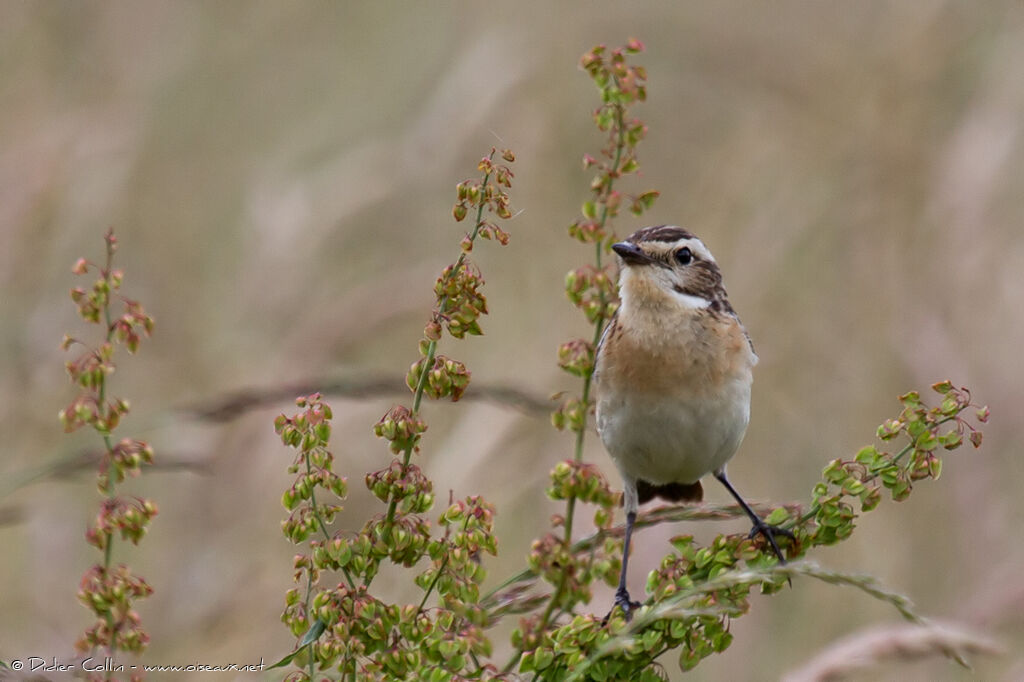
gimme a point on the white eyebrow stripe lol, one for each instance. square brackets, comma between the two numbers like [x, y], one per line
[691, 301]
[695, 245]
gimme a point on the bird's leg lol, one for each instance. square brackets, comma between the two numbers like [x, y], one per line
[760, 527]
[622, 594]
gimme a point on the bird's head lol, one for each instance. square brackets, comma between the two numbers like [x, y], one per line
[667, 267]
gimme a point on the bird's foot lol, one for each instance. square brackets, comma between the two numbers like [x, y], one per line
[623, 601]
[769, 533]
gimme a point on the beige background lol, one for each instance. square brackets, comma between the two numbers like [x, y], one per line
[281, 176]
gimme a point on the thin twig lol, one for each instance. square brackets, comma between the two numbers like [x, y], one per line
[231, 406]
[664, 514]
[677, 605]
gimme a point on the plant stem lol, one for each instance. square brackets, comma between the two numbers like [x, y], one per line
[428, 361]
[323, 526]
[570, 504]
[312, 645]
[104, 413]
[659, 515]
[815, 508]
[440, 569]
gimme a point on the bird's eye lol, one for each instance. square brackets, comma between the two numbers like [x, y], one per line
[684, 256]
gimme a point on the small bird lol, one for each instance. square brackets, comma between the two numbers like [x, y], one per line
[673, 373]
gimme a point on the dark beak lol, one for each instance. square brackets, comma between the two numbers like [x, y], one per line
[631, 254]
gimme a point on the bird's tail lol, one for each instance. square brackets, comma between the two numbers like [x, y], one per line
[672, 492]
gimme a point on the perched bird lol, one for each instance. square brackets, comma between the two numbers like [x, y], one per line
[673, 373]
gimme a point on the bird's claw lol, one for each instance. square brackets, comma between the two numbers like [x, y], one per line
[627, 605]
[769, 533]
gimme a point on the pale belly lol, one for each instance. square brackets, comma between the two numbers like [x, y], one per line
[674, 440]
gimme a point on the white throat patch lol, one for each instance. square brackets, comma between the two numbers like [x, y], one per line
[630, 276]
[691, 301]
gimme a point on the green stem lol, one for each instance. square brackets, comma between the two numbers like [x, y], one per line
[676, 606]
[440, 569]
[323, 526]
[620, 144]
[421, 384]
[815, 508]
[570, 505]
[476, 661]
[103, 413]
[659, 515]
[312, 645]
[430, 588]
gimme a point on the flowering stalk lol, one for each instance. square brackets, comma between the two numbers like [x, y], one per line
[309, 432]
[591, 289]
[347, 627]
[109, 591]
[830, 517]
[459, 306]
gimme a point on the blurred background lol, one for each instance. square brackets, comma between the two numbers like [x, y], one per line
[281, 175]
